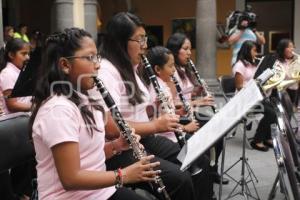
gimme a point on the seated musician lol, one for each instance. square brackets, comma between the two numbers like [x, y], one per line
[180, 46]
[16, 54]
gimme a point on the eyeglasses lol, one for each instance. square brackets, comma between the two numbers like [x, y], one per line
[141, 41]
[92, 58]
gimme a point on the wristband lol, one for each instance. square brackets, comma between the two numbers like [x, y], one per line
[119, 178]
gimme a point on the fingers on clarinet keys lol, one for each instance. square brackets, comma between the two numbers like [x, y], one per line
[142, 170]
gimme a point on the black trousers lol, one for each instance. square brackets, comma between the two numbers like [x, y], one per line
[6, 190]
[263, 131]
[179, 184]
[293, 95]
[125, 194]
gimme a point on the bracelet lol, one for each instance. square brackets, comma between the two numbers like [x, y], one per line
[114, 150]
[119, 178]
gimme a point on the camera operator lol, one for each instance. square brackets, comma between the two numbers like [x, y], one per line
[245, 30]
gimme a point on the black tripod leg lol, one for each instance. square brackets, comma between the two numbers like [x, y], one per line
[222, 167]
[274, 188]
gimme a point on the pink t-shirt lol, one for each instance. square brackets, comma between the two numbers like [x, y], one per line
[59, 120]
[116, 87]
[186, 85]
[8, 79]
[167, 92]
[247, 72]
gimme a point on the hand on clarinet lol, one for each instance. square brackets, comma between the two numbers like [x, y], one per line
[142, 170]
[191, 127]
[205, 101]
[123, 144]
[167, 122]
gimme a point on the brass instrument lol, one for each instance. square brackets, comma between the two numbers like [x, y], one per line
[277, 78]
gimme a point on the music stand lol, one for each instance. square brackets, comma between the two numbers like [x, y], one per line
[245, 179]
[26, 81]
[221, 124]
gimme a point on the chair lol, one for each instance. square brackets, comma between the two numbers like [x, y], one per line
[15, 145]
[289, 107]
[227, 85]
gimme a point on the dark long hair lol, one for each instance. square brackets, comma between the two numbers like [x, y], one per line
[282, 45]
[61, 44]
[175, 43]
[159, 56]
[114, 48]
[244, 54]
[12, 46]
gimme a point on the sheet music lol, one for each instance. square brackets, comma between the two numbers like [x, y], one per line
[220, 123]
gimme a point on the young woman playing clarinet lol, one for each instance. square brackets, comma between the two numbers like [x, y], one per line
[122, 46]
[68, 127]
[180, 45]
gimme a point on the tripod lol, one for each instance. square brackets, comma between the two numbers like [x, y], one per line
[245, 179]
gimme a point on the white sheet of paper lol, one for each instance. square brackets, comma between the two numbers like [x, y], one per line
[220, 123]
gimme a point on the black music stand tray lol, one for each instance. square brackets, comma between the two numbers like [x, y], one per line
[245, 179]
[26, 81]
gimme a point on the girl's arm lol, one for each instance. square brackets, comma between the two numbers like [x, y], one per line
[163, 123]
[13, 105]
[239, 80]
[67, 162]
[260, 38]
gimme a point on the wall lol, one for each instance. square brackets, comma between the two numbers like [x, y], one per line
[297, 25]
[36, 14]
[273, 16]
[167, 10]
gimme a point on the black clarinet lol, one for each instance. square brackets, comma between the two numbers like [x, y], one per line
[186, 106]
[166, 107]
[201, 82]
[126, 132]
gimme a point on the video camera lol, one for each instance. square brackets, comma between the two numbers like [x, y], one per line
[235, 19]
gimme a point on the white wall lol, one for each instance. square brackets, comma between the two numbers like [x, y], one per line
[297, 25]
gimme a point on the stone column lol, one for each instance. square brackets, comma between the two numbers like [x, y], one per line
[240, 5]
[90, 17]
[206, 31]
[297, 25]
[1, 28]
[62, 15]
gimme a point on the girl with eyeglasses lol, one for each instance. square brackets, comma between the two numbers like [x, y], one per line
[68, 128]
[121, 48]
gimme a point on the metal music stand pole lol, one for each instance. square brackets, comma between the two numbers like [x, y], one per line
[274, 187]
[245, 179]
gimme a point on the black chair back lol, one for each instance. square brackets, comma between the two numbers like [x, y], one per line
[15, 145]
[227, 85]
